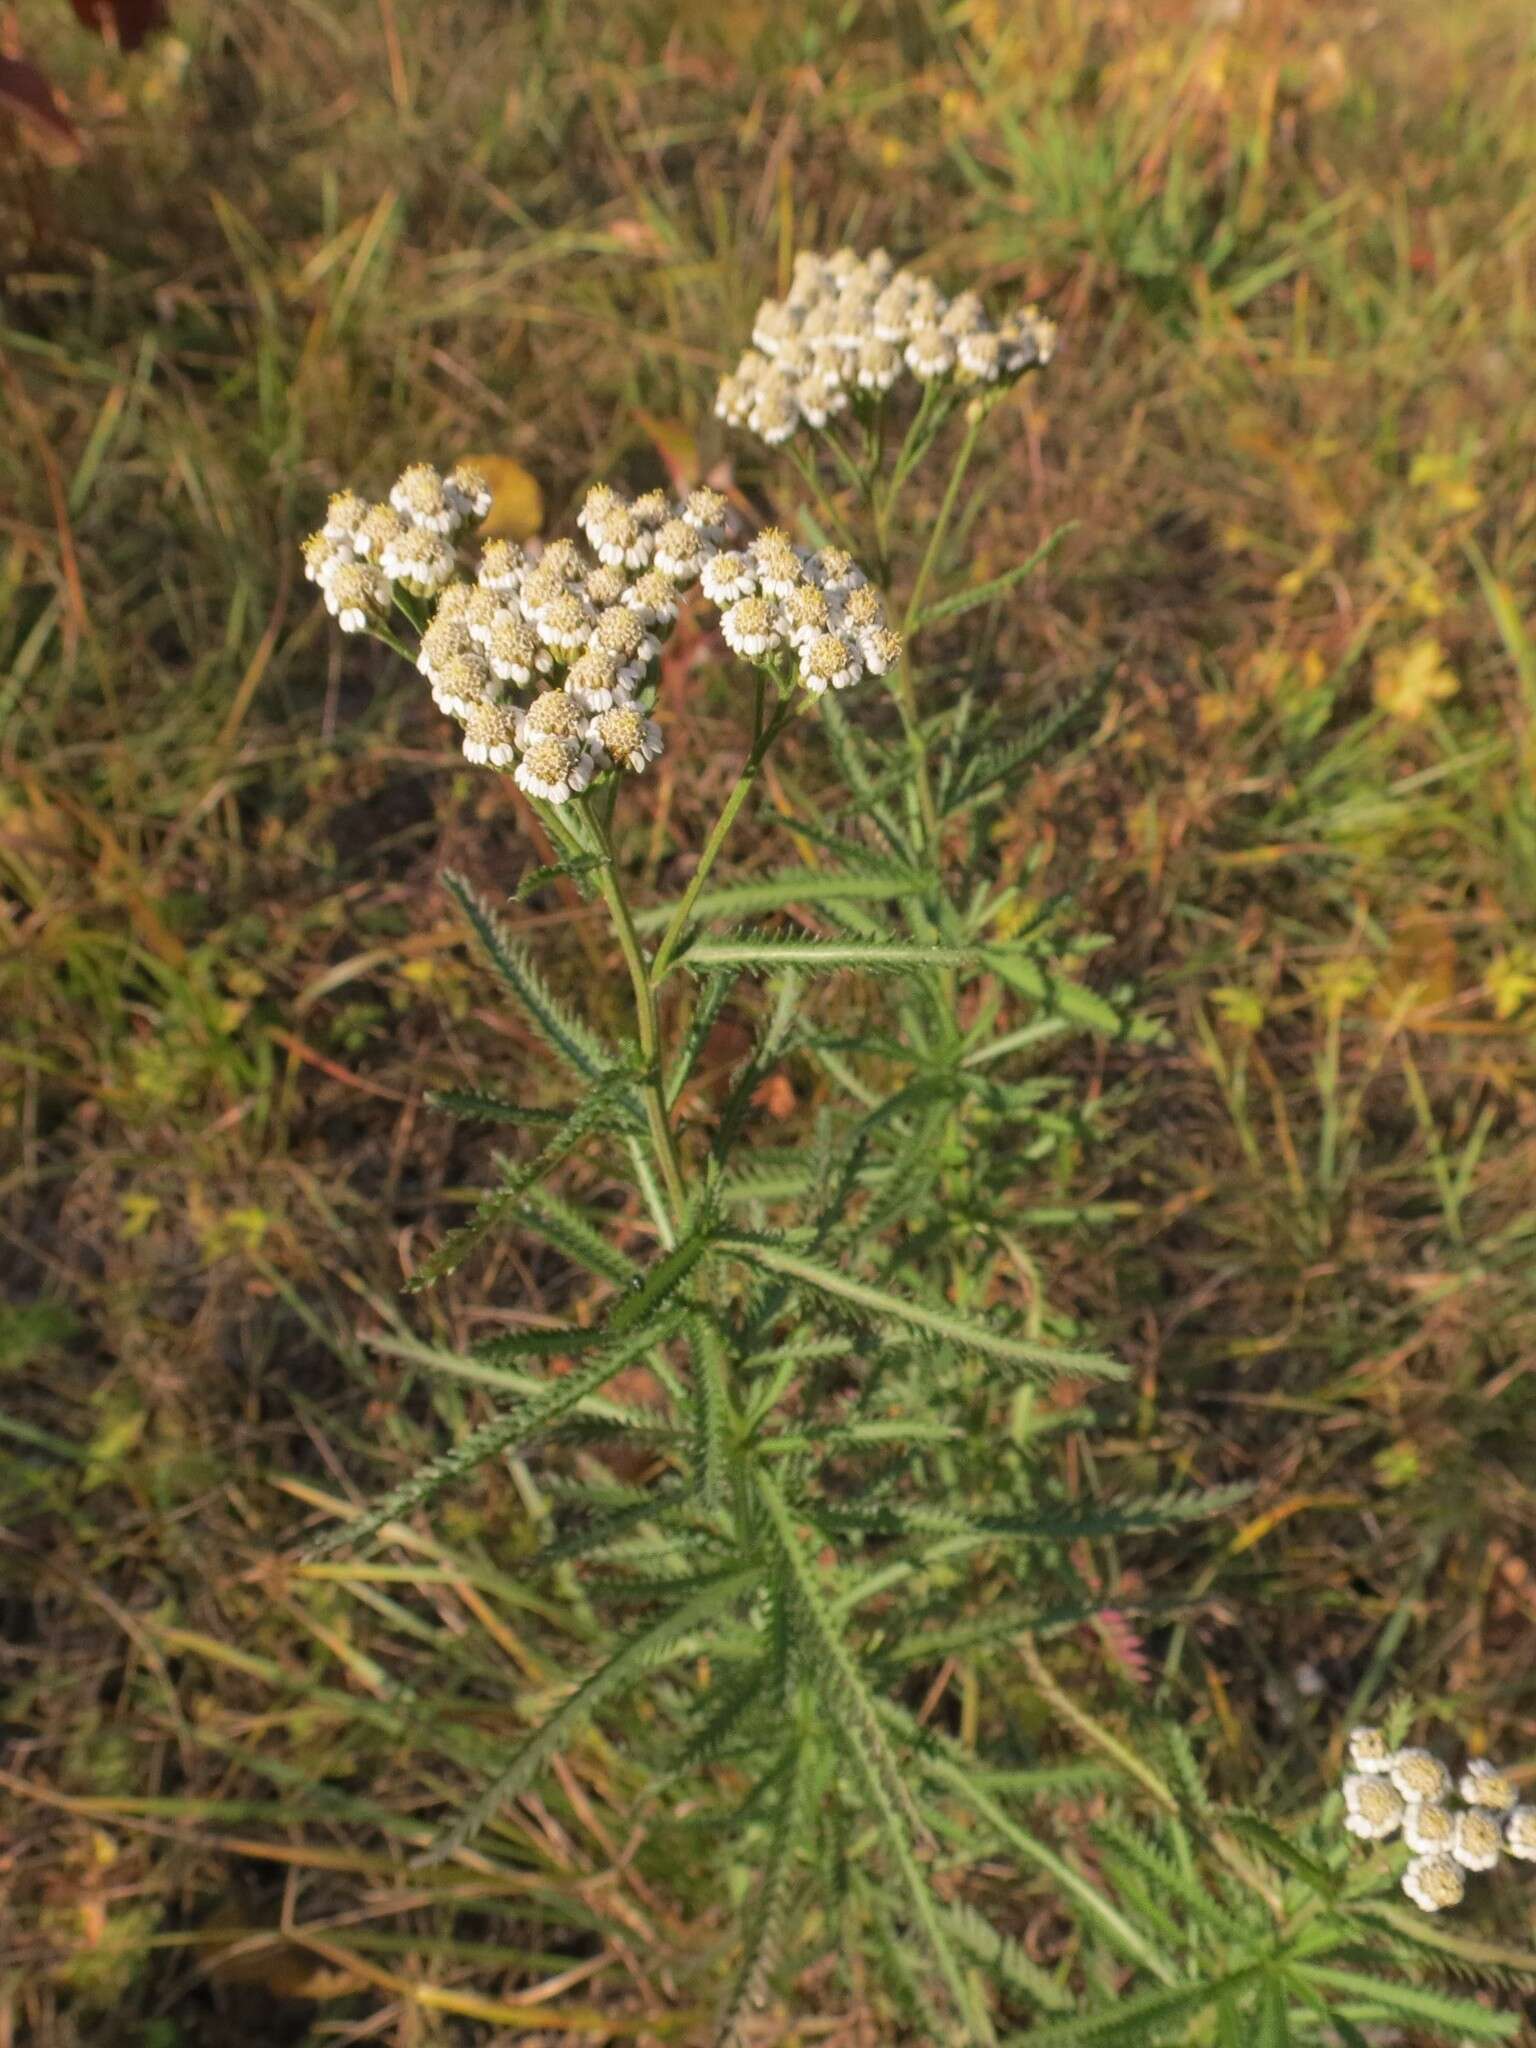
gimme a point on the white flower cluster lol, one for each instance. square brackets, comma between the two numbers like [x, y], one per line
[362, 549]
[584, 627]
[851, 325]
[1389, 1790]
[815, 609]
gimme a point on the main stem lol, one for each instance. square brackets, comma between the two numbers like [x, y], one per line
[672, 937]
[653, 1087]
[906, 691]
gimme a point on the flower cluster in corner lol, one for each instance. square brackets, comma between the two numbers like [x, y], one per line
[1389, 1791]
[579, 627]
[851, 326]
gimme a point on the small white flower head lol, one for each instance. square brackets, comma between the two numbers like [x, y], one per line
[821, 398]
[542, 586]
[775, 412]
[454, 602]
[751, 627]
[806, 613]
[727, 576]
[653, 597]
[621, 633]
[489, 734]
[596, 681]
[680, 551]
[623, 542]
[651, 509]
[1420, 1777]
[980, 357]
[562, 558]
[1520, 1833]
[891, 315]
[377, 531]
[1434, 1882]
[503, 565]
[1484, 1784]
[556, 715]
[1045, 333]
[420, 497]
[479, 612]
[554, 769]
[1427, 1828]
[462, 680]
[1478, 1839]
[358, 596]
[467, 491]
[732, 401]
[863, 608]
[854, 321]
[881, 649]
[964, 315]
[324, 556]
[601, 504]
[565, 624]
[626, 737]
[422, 561]
[344, 514]
[443, 639]
[1369, 1750]
[605, 585]
[930, 353]
[1018, 345]
[1373, 1807]
[879, 365]
[515, 651]
[779, 569]
[835, 570]
[832, 661]
[708, 512]
[776, 324]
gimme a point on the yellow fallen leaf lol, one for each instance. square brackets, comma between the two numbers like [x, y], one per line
[1255, 1531]
[517, 503]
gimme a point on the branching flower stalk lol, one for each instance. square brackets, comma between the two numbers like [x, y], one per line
[849, 1499]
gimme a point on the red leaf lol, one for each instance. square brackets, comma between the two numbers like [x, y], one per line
[27, 95]
[1124, 1644]
[124, 22]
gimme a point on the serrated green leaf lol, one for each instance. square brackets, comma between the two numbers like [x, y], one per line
[766, 955]
[586, 1118]
[575, 869]
[938, 1319]
[664, 1640]
[811, 887]
[502, 1433]
[563, 1031]
[967, 600]
[475, 1104]
[1462, 2018]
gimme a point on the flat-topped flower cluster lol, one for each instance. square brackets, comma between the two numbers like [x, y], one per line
[852, 325]
[583, 626]
[1389, 1790]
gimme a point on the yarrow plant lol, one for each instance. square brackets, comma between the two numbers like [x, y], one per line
[851, 1510]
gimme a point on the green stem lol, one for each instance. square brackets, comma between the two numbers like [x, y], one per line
[835, 522]
[905, 692]
[672, 937]
[962, 463]
[663, 1139]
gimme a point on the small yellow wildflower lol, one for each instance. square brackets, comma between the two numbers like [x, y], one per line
[1410, 679]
